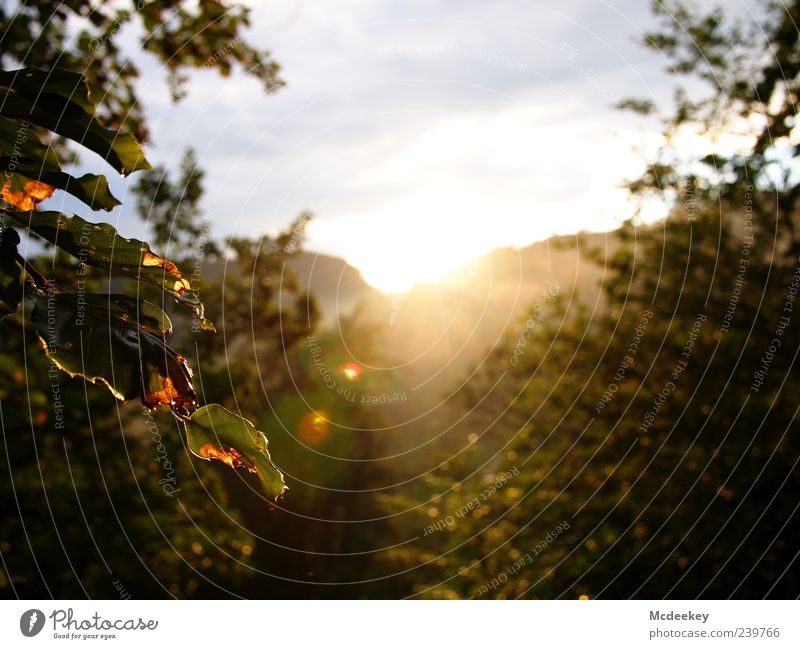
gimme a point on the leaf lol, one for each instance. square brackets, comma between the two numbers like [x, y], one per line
[56, 113]
[213, 432]
[68, 84]
[91, 341]
[20, 145]
[90, 189]
[10, 273]
[126, 311]
[25, 194]
[23, 157]
[100, 245]
[93, 190]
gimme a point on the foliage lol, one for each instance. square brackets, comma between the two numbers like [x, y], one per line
[655, 436]
[181, 35]
[752, 75]
[213, 432]
[98, 492]
[103, 338]
[171, 209]
[585, 467]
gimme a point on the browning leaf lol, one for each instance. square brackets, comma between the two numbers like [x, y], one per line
[28, 196]
[151, 260]
[92, 342]
[213, 432]
[231, 457]
[99, 244]
[24, 157]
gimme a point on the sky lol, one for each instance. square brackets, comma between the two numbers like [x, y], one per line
[420, 133]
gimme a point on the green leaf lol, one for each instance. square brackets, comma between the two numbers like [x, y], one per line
[24, 194]
[100, 245]
[24, 158]
[213, 432]
[96, 343]
[19, 144]
[60, 115]
[10, 273]
[125, 311]
[68, 84]
[91, 189]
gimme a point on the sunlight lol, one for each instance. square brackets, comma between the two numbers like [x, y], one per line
[449, 217]
[351, 371]
[313, 428]
[408, 260]
[465, 185]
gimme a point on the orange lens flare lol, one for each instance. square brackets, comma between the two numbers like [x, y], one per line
[351, 371]
[313, 429]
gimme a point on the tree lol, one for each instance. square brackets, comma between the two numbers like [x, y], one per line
[181, 35]
[655, 438]
[173, 534]
[107, 337]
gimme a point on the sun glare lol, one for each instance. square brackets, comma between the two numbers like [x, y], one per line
[432, 234]
[351, 371]
[464, 186]
[313, 428]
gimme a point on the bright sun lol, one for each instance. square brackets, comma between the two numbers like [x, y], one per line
[404, 246]
[400, 269]
[464, 186]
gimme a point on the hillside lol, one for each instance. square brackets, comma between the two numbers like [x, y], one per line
[425, 343]
[465, 312]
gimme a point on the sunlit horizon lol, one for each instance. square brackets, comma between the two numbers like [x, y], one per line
[437, 227]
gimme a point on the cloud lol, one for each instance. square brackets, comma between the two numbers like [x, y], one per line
[404, 119]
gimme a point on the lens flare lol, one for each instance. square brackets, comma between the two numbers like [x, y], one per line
[313, 428]
[351, 371]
